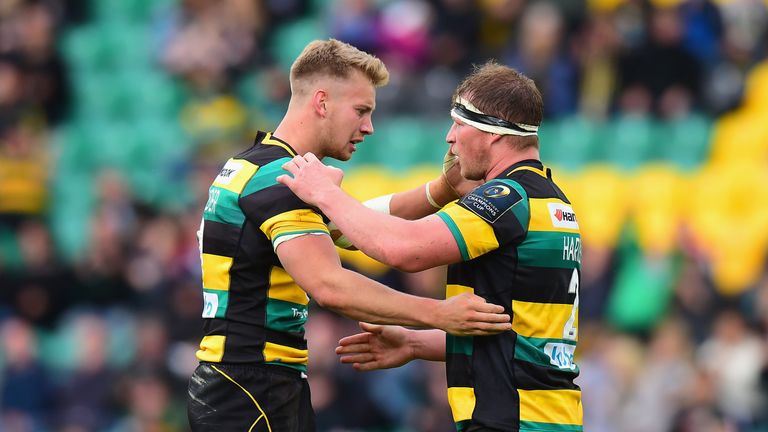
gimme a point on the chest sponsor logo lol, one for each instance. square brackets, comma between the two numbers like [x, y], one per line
[490, 201]
[228, 172]
[562, 216]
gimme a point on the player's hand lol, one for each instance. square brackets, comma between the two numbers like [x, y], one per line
[310, 178]
[380, 347]
[470, 315]
[452, 174]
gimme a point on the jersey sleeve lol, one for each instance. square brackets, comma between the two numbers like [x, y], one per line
[278, 213]
[492, 215]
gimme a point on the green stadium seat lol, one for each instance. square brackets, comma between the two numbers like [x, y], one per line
[127, 10]
[291, 38]
[628, 140]
[84, 49]
[570, 142]
[684, 142]
[127, 43]
[73, 199]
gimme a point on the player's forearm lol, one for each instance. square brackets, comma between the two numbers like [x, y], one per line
[363, 227]
[414, 204]
[362, 299]
[427, 344]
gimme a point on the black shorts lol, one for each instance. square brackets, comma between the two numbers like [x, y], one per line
[257, 398]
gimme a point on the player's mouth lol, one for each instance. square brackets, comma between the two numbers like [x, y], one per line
[353, 144]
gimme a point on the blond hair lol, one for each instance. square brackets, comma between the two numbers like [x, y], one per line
[337, 59]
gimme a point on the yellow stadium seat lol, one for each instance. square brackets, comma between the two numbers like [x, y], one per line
[740, 137]
[366, 182]
[756, 89]
[599, 197]
[728, 217]
[656, 207]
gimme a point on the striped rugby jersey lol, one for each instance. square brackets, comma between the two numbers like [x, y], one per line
[519, 239]
[253, 310]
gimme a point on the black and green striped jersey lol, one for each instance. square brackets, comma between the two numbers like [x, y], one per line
[520, 242]
[253, 310]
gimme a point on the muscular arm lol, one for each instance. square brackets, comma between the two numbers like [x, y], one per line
[406, 245]
[313, 263]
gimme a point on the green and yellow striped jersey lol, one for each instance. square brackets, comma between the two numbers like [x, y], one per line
[519, 238]
[253, 310]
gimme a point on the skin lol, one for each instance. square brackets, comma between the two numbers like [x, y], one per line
[330, 116]
[409, 245]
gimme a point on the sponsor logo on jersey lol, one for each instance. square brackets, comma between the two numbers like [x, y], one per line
[228, 172]
[496, 191]
[490, 200]
[561, 355]
[562, 216]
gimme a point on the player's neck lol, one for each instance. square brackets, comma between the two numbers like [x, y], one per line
[509, 158]
[298, 132]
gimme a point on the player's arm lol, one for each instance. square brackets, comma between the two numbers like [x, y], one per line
[428, 198]
[313, 263]
[384, 347]
[406, 245]
[422, 200]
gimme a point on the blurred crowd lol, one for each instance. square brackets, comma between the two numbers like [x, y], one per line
[100, 313]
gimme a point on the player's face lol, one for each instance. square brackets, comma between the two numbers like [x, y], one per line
[350, 108]
[472, 147]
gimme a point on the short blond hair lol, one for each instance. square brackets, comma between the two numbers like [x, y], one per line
[337, 59]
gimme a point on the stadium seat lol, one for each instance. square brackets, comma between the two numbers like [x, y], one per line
[683, 142]
[628, 140]
[599, 197]
[291, 38]
[84, 49]
[756, 89]
[569, 143]
[728, 221]
[126, 10]
[657, 206]
[740, 137]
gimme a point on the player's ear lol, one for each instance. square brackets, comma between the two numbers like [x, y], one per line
[319, 100]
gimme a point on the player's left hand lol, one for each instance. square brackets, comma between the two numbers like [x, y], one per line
[380, 347]
[310, 178]
[452, 174]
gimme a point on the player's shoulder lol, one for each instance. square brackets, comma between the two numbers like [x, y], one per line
[493, 198]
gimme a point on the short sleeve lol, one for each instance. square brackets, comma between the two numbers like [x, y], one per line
[493, 214]
[278, 213]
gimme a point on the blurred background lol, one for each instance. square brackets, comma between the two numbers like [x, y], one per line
[115, 116]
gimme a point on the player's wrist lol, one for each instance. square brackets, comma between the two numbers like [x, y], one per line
[413, 344]
[326, 198]
[440, 192]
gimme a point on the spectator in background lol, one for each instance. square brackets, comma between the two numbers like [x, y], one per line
[355, 22]
[539, 54]
[40, 288]
[46, 77]
[733, 356]
[455, 35]
[25, 385]
[598, 57]
[86, 400]
[661, 64]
